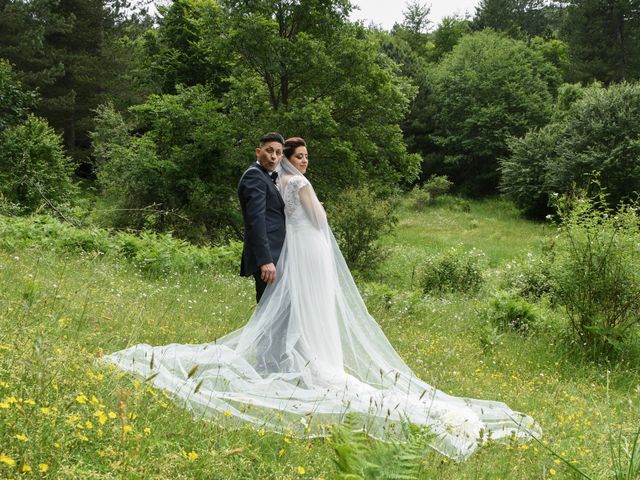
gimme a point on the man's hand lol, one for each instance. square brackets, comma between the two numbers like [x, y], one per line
[268, 273]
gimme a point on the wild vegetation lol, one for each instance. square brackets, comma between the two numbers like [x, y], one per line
[65, 304]
[124, 130]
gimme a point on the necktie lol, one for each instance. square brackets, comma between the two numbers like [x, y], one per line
[274, 178]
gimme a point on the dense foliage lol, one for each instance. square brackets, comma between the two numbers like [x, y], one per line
[34, 170]
[595, 272]
[488, 89]
[175, 174]
[596, 130]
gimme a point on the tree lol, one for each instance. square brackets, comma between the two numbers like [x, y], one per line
[416, 17]
[488, 89]
[34, 171]
[518, 18]
[60, 49]
[604, 39]
[317, 76]
[447, 36]
[596, 133]
[15, 102]
[187, 47]
[175, 173]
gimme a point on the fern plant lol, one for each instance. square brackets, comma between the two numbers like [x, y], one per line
[360, 457]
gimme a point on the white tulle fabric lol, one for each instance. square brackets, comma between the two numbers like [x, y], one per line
[311, 353]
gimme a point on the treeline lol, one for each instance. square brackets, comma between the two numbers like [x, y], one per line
[145, 121]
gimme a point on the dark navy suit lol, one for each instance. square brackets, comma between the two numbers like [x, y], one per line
[264, 222]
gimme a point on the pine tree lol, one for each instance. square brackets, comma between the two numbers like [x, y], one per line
[604, 39]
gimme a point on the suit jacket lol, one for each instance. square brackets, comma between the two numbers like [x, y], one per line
[264, 221]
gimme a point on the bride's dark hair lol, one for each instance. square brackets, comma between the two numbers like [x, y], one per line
[291, 144]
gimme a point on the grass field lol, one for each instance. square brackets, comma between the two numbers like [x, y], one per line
[63, 415]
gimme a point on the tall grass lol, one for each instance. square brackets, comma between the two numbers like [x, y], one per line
[62, 412]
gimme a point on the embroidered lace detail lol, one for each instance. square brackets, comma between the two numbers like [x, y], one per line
[292, 204]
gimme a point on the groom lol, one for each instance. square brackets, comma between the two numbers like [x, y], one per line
[263, 213]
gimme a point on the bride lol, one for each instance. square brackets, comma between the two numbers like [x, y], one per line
[311, 352]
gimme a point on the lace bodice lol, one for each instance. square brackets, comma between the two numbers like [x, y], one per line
[293, 209]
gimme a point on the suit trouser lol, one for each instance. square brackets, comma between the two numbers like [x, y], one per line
[260, 286]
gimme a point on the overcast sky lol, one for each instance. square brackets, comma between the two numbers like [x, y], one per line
[388, 12]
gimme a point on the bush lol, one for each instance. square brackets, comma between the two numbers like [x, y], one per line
[358, 220]
[435, 187]
[454, 271]
[176, 175]
[531, 278]
[595, 130]
[34, 171]
[154, 254]
[596, 271]
[511, 312]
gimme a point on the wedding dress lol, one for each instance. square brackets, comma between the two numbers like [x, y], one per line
[311, 353]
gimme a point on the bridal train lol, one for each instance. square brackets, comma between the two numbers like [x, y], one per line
[311, 353]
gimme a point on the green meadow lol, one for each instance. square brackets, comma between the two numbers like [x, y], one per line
[65, 415]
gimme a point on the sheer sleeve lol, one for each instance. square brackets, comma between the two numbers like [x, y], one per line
[300, 199]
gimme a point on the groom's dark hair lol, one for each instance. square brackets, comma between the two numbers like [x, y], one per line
[272, 137]
[291, 144]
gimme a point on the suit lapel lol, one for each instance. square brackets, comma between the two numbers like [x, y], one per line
[270, 184]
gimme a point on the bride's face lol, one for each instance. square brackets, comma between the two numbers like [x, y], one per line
[300, 159]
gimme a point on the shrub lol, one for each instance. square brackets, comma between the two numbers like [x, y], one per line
[34, 170]
[511, 312]
[176, 175]
[358, 220]
[454, 271]
[530, 278]
[596, 271]
[435, 187]
[152, 253]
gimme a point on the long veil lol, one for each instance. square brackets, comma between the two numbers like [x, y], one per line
[311, 353]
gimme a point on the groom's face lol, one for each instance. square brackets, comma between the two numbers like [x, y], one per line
[269, 155]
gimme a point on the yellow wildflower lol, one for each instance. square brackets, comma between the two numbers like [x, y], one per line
[552, 471]
[111, 415]
[227, 413]
[147, 431]
[21, 437]
[261, 432]
[287, 440]
[43, 467]
[25, 468]
[102, 418]
[7, 460]
[45, 410]
[281, 452]
[192, 456]
[30, 401]
[82, 399]
[4, 405]
[301, 470]
[127, 429]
